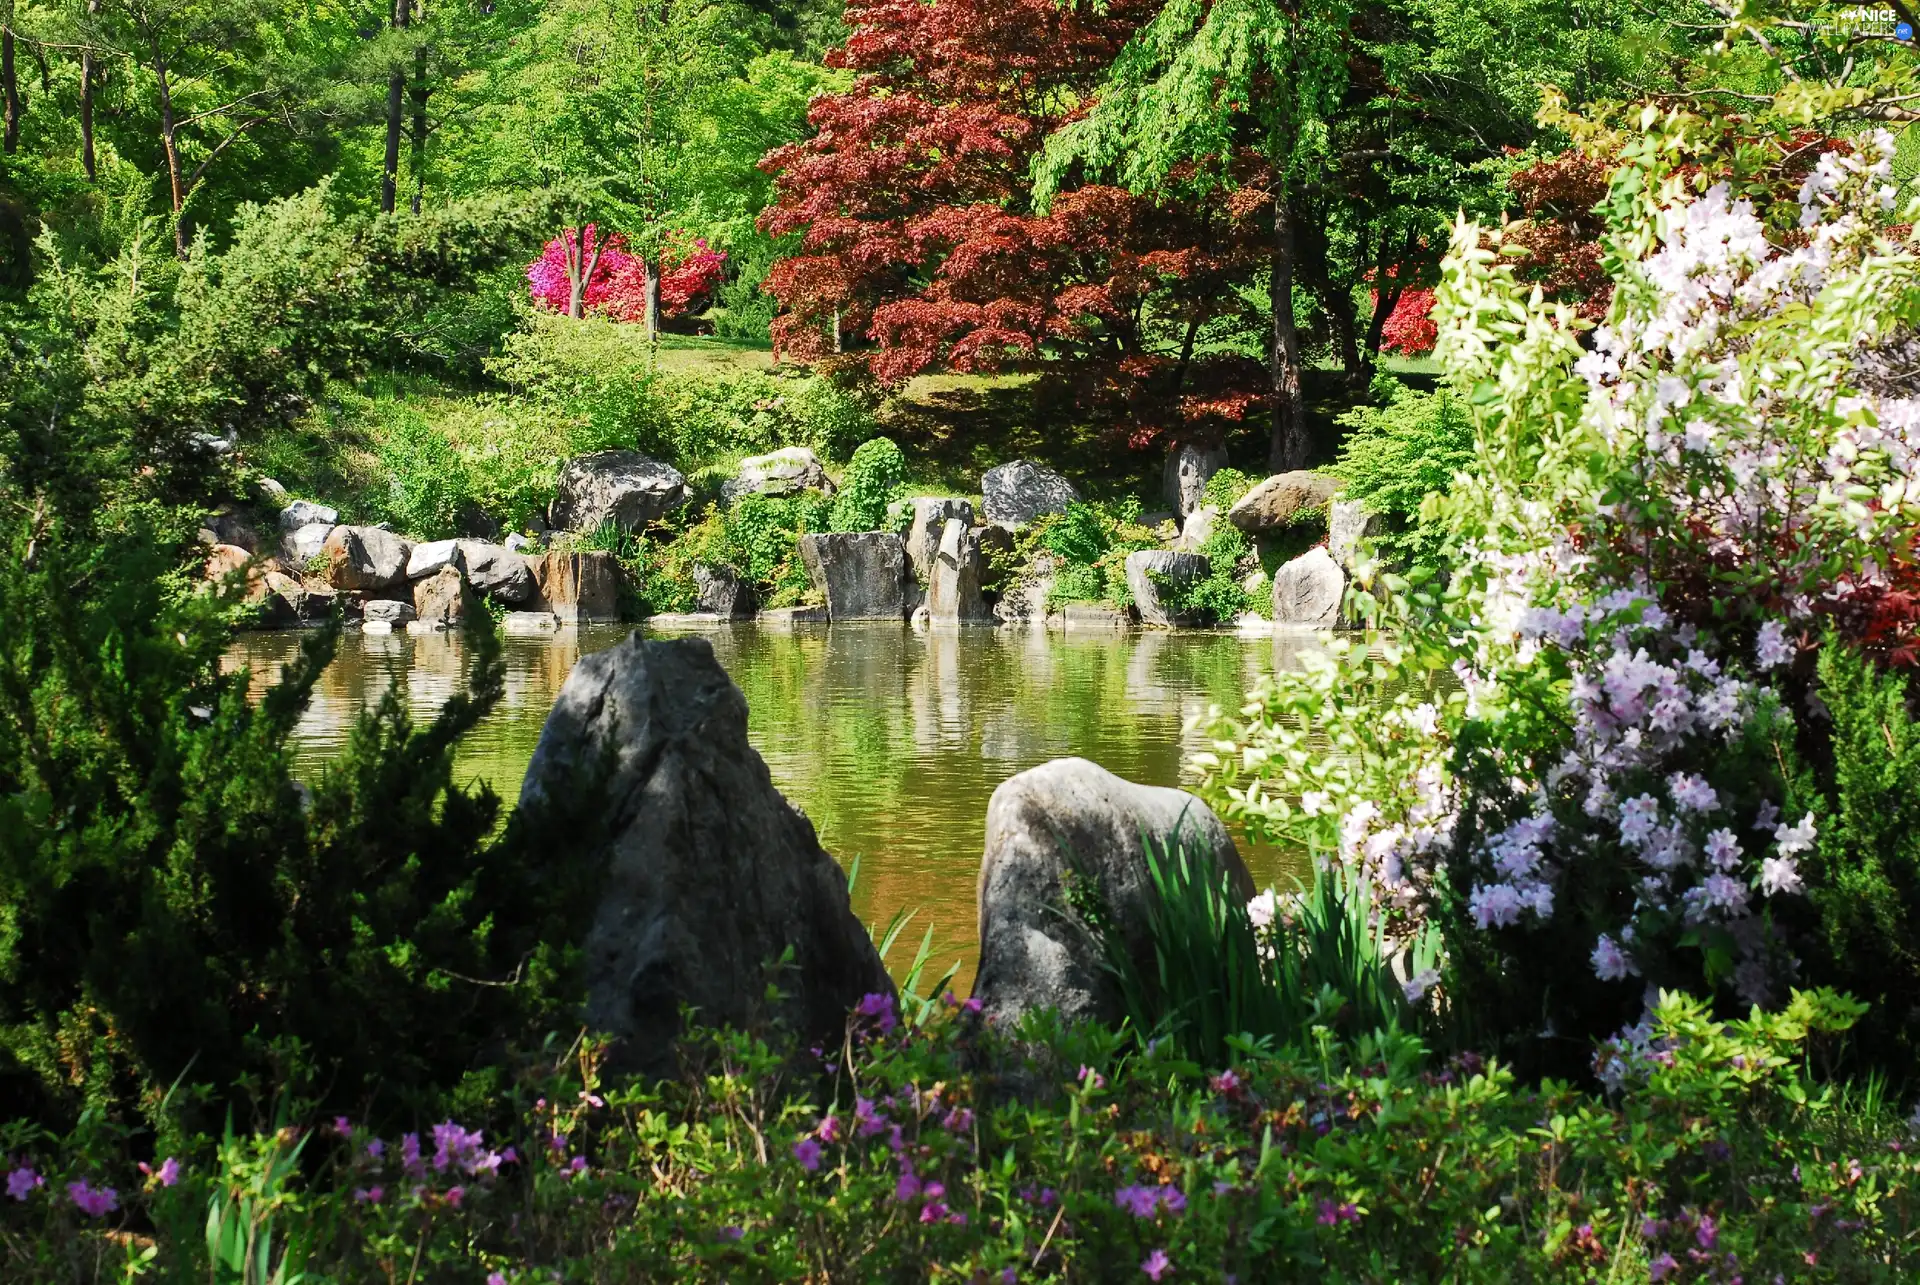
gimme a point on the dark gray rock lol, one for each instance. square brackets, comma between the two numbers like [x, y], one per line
[228, 525]
[366, 559]
[1307, 591]
[625, 488]
[291, 601]
[930, 517]
[862, 574]
[498, 572]
[1187, 470]
[1148, 570]
[722, 593]
[1035, 952]
[1349, 523]
[711, 875]
[953, 587]
[299, 513]
[787, 471]
[1016, 494]
[388, 611]
[1282, 500]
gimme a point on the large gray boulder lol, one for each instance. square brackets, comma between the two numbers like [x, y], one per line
[427, 558]
[1187, 470]
[1308, 590]
[388, 611]
[625, 488]
[1035, 950]
[1017, 494]
[299, 513]
[498, 572]
[1349, 524]
[787, 471]
[931, 514]
[863, 574]
[725, 594]
[1281, 500]
[711, 876]
[953, 586]
[366, 559]
[302, 545]
[1150, 571]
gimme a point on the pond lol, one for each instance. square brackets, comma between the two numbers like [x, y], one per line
[891, 741]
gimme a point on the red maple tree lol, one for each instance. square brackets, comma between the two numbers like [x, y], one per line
[919, 246]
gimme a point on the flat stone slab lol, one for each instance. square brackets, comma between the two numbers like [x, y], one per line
[793, 616]
[1090, 615]
[530, 622]
[690, 619]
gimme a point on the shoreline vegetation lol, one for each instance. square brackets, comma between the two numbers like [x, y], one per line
[1558, 365]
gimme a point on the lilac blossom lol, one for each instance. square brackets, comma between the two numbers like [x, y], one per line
[23, 1181]
[1156, 1264]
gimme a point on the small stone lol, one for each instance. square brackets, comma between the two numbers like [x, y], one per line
[428, 626]
[498, 572]
[1281, 500]
[580, 588]
[303, 544]
[388, 610]
[1018, 493]
[953, 590]
[787, 471]
[366, 559]
[1188, 469]
[377, 628]
[1198, 528]
[272, 492]
[1091, 615]
[1149, 570]
[778, 616]
[299, 513]
[1308, 590]
[529, 622]
[1349, 523]
[519, 543]
[723, 594]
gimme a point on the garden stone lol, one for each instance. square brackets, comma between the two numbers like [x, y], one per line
[498, 572]
[710, 874]
[1349, 522]
[1147, 569]
[1091, 615]
[580, 588]
[299, 513]
[377, 627]
[1198, 528]
[529, 622]
[953, 589]
[224, 560]
[1281, 499]
[1307, 591]
[1187, 471]
[794, 616]
[303, 544]
[518, 543]
[442, 599]
[366, 558]
[272, 492]
[1035, 952]
[1018, 493]
[930, 517]
[428, 558]
[389, 612]
[227, 525]
[625, 488]
[787, 471]
[722, 593]
[862, 574]
[291, 602]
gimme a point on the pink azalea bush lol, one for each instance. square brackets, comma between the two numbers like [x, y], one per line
[617, 288]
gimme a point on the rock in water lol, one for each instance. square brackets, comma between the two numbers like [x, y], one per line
[389, 612]
[930, 517]
[1348, 523]
[1281, 499]
[1307, 591]
[953, 588]
[1150, 570]
[787, 471]
[720, 591]
[441, 601]
[625, 488]
[863, 574]
[1015, 494]
[711, 875]
[1035, 952]
[580, 588]
[1188, 469]
[498, 572]
[366, 559]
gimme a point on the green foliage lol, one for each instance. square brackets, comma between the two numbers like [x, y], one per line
[872, 482]
[428, 489]
[756, 538]
[1225, 488]
[1089, 544]
[1397, 454]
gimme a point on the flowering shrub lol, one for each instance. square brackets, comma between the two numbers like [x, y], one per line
[898, 1155]
[1653, 531]
[617, 284]
[1410, 329]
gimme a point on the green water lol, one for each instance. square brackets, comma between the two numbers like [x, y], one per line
[891, 741]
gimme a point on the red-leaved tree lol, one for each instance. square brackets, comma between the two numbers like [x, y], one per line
[919, 246]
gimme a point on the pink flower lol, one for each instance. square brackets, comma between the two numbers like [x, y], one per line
[1225, 1082]
[22, 1182]
[369, 1195]
[1092, 1078]
[1156, 1264]
[829, 1129]
[807, 1152]
[496, 1278]
[455, 1195]
[93, 1202]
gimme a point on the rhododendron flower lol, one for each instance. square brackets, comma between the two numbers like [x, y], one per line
[1778, 875]
[1416, 987]
[91, 1201]
[22, 1182]
[368, 1195]
[1770, 647]
[828, 1130]
[1156, 1264]
[878, 1007]
[807, 1152]
[1692, 793]
[1610, 963]
[1795, 838]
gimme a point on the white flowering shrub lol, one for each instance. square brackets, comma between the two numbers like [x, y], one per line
[1666, 516]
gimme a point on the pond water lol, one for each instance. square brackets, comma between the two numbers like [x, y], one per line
[890, 740]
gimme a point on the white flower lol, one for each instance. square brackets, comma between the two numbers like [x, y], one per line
[1723, 849]
[1314, 802]
[1795, 838]
[1770, 648]
[1692, 793]
[1262, 909]
[1498, 906]
[1638, 816]
[1778, 875]
[1610, 963]
[1700, 434]
[1423, 981]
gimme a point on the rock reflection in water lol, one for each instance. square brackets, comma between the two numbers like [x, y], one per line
[891, 741]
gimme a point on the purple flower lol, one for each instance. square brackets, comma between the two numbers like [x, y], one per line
[878, 1006]
[410, 1154]
[807, 1152]
[343, 1126]
[733, 1233]
[169, 1172]
[1156, 1264]
[1225, 1082]
[376, 1149]
[867, 1122]
[829, 1129]
[1332, 1215]
[1706, 1233]
[455, 1195]
[1221, 1188]
[909, 1185]
[1662, 1267]
[368, 1195]
[93, 1202]
[577, 1166]
[958, 1120]
[1008, 1276]
[1092, 1077]
[22, 1181]
[933, 1213]
[1144, 1201]
[496, 1278]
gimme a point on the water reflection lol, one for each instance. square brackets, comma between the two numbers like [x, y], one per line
[891, 741]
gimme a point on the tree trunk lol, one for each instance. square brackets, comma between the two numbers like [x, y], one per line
[652, 269]
[396, 116]
[1291, 447]
[419, 94]
[175, 179]
[9, 91]
[1386, 300]
[86, 102]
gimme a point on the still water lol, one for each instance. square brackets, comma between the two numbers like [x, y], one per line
[890, 740]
